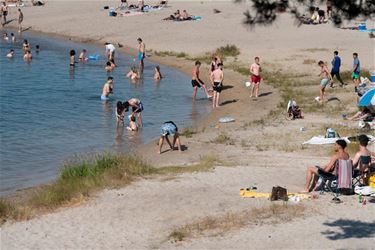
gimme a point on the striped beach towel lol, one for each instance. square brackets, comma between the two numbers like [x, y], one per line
[345, 170]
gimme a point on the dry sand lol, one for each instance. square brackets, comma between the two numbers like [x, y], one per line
[262, 153]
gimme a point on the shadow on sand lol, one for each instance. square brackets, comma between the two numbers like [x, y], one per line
[349, 229]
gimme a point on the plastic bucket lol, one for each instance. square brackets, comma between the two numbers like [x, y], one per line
[372, 77]
[362, 26]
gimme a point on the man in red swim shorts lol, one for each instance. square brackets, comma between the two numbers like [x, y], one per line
[255, 79]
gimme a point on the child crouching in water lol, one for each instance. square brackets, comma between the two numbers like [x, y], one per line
[133, 126]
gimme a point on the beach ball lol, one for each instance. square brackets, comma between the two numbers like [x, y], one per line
[247, 84]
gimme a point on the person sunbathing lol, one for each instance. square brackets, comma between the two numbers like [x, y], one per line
[185, 16]
[364, 115]
[312, 172]
[175, 16]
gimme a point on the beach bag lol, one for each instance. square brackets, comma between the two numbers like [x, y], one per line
[331, 133]
[279, 193]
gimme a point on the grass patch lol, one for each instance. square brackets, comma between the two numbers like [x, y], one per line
[312, 50]
[309, 61]
[82, 178]
[229, 50]
[218, 225]
[347, 75]
[170, 53]
[223, 138]
[238, 68]
[188, 132]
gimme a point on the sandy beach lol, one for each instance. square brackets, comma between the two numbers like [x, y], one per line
[261, 148]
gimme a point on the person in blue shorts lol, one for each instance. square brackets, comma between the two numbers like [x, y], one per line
[107, 89]
[137, 108]
[141, 54]
[169, 128]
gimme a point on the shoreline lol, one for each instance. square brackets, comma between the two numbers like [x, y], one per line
[181, 64]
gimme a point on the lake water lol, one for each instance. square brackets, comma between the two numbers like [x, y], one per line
[50, 113]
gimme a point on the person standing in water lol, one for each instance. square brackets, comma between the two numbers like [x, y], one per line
[196, 82]
[157, 75]
[83, 56]
[141, 54]
[255, 79]
[137, 108]
[326, 79]
[28, 56]
[12, 37]
[217, 77]
[110, 52]
[20, 20]
[120, 113]
[10, 54]
[107, 89]
[25, 46]
[72, 61]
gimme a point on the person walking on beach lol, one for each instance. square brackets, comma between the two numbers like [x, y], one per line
[169, 128]
[326, 79]
[4, 13]
[255, 78]
[335, 71]
[356, 70]
[110, 52]
[107, 89]
[141, 54]
[137, 108]
[217, 77]
[196, 82]
[20, 20]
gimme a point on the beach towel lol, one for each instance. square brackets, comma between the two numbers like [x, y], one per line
[344, 173]
[320, 140]
[226, 119]
[254, 194]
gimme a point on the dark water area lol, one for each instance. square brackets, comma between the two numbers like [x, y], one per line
[50, 114]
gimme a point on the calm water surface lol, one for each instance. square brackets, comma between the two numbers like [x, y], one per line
[50, 113]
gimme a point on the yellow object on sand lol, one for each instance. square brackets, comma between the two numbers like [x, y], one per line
[371, 180]
[254, 194]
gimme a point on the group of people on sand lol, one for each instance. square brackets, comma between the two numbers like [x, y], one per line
[179, 16]
[317, 15]
[313, 172]
[140, 5]
[4, 10]
[327, 75]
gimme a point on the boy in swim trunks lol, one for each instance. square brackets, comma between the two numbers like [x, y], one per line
[326, 79]
[255, 78]
[196, 82]
[137, 108]
[141, 53]
[217, 77]
[107, 89]
[356, 70]
[169, 128]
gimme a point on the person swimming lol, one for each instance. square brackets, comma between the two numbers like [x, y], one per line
[37, 48]
[6, 38]
[12, 37]
[133, 74]
[10, 54]
[72, 61]
[157, 75]
[133, 126]
[28, 56]
[107, 89]
[109, 66]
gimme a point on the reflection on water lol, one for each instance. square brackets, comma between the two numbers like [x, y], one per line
[50, 113]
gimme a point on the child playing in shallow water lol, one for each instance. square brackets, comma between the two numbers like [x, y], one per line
[83, 56]
[120, 112]
[133, 126]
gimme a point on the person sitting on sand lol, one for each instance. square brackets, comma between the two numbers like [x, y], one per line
[326, 79]
[83, 56]
[120, 113]
[37, 3]
[133, 74]
[10, 54]
[109, 66]
[107, 89]
[185, 16]
[28, 56]
[169, 128]
[363, 150]
[312, 172]
[157, 74]
[25, 46]
[196, 82]
[133, 126]
[363, 115]
[137, 108]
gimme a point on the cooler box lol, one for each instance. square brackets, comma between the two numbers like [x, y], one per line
[362, 26]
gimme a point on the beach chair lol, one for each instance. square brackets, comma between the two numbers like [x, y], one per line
[360, 173]
[339, 180]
